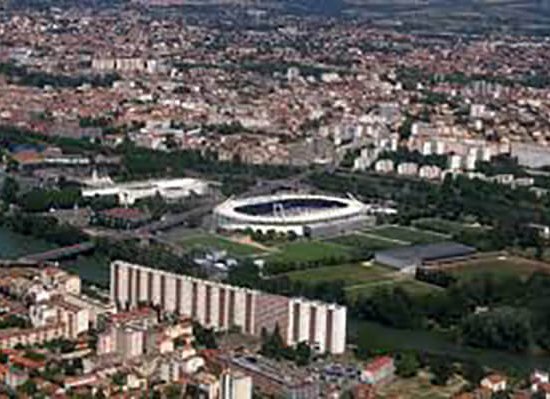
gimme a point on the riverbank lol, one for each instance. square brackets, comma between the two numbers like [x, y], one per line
[93, 269]
[378, 338]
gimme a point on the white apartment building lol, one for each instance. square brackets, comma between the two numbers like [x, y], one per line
[222, 306]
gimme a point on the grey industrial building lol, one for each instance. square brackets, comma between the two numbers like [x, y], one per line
[408, 258]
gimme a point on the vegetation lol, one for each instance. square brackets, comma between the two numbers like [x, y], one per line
[44, 227]
[23, 76]
[506, 212]
[215, 242]
[516, 317]
[273, 347]
[404, 155]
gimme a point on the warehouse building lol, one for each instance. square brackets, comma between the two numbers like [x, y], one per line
[407, 259]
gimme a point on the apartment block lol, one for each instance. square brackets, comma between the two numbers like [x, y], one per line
[222, 306]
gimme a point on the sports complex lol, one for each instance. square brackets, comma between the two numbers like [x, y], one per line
[303, 214]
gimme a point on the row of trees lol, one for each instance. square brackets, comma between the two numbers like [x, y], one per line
[485, 311]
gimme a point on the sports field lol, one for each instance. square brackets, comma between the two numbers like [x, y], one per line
[408, 283]
[407, 235]
[497, 265]
[364, 240]
[351, 274]
[309, 251]
[216, 242]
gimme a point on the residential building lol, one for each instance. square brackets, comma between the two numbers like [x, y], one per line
[222, 306]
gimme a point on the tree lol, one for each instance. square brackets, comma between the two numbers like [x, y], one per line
[407, 365]
[10, 188]
[302, 354]
[441, 369]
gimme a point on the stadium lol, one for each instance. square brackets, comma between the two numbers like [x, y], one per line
[303, 214]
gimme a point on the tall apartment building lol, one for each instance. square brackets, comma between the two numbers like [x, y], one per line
[221, 306]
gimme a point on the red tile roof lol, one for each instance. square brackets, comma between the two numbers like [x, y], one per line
[379, 363]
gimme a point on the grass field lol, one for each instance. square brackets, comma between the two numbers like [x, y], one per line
[501, 265]
[308, 251]
[364, 241]
[445, 226]
[409, 284]
[351, 274]
[212, 241]
[407, 235]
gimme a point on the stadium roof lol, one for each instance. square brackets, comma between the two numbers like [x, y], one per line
[428, 252]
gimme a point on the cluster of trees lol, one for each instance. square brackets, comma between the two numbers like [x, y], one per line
[486, 311]
[274, 347]
[43, 227]
[14, 321]
[404, 155]
[42, 200]
[153, 254]
[23, 76]
[204, 337]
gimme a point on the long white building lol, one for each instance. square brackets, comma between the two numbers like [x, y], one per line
[221, 306]
[170, 189]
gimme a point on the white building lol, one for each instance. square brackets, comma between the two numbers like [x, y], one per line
[222, 306]
[384, 166]
[170, 189]
[407, 169]
[235, 385]
[494, 383]
[430, 172]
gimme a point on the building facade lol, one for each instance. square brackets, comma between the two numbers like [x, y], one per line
[221, 306]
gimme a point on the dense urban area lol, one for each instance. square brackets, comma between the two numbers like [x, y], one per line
[281, 199]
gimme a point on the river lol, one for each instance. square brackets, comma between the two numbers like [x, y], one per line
[93, 269]
[375, 337]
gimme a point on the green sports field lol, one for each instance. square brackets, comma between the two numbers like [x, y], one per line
[351, 274]
[364, 240]
[308, 251]
[216, 242]
[407, 235]
[497, 265]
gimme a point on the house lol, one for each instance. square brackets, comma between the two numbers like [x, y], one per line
[363, 391]
[380, 370]
[540, 382]
[494, 383]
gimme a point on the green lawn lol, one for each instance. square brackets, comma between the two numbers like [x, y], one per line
[404, 235]
[412, 286]
[351, 274]
[502, 266]
[308, 251]
[364, 241]
[212, 241]
[446, 226]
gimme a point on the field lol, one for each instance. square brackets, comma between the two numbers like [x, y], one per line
[212, 241]
[497, 265]
[408, 283]
[446, 226]
[365, 241]
[308, 251]
[351, 274]
[407, 235]
[362, 280]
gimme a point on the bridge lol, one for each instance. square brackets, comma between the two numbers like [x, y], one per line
[59, 253]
